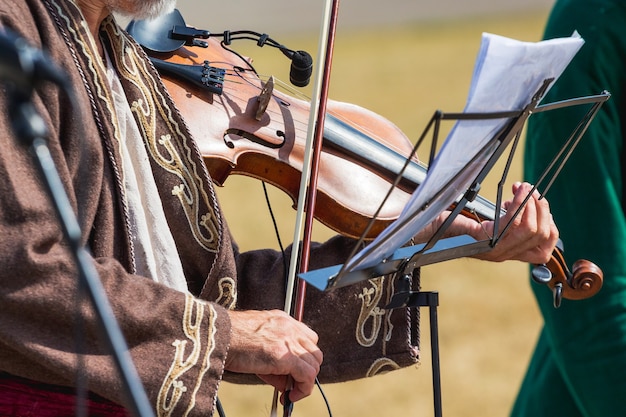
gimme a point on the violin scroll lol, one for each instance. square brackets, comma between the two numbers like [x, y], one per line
[583, 281]
[586, 279]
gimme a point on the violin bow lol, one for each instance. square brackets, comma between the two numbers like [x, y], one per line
[308, 181]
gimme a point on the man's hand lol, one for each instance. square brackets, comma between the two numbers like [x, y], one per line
[273, 345]
[531, 237]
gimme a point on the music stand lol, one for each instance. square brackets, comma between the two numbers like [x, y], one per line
[438, 249]
[404, 261]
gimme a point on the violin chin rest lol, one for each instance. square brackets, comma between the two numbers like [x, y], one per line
[156, 34]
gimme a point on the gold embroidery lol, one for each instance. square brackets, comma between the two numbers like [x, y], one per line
[173, 390]
[381, 366]
[228, 294]
[94, 64]
[88, 62]
[206, 363]
[370, 312]
[172, 151]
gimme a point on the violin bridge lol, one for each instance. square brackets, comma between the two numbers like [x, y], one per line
[264, 98]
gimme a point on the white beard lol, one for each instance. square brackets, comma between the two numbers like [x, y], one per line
[141, 9]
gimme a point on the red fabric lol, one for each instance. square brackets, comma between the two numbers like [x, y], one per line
[21, 397]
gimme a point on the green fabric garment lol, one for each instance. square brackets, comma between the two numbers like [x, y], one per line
[579, 365]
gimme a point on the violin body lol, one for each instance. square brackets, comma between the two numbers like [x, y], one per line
[270, 146]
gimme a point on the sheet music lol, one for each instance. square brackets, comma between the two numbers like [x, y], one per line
[507, 74]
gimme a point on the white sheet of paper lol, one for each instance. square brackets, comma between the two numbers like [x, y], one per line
[507, 74]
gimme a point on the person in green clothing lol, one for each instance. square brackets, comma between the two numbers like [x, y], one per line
[578, 367]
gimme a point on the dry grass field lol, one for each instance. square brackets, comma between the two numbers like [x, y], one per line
[488, 320]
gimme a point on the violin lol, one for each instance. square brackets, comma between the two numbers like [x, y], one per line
[243, 125]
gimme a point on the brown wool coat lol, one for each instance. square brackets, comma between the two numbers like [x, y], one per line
[178, 342]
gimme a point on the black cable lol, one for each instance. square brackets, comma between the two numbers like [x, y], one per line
[319, 386]
[261, 39]
[276, 231]
[218, 406]
[243, 59]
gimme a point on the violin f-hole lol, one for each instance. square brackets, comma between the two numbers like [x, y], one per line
[253, 138]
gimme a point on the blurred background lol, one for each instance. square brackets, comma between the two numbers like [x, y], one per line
[402, 59]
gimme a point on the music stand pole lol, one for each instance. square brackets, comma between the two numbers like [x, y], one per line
[30, 128]
[407, 298]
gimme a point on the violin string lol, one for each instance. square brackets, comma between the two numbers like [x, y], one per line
[238, 72]
[480, 222]
[301, 125]
[365, 129]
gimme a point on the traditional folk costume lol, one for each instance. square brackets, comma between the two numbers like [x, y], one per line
[169, 287]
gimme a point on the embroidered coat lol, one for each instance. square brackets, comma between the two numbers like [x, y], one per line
[178, 342]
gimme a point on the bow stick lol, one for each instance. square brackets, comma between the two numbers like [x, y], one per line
[308, 180]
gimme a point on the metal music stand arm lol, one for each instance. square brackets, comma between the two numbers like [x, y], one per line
[30, 128]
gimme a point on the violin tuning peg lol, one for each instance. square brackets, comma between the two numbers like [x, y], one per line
[541, 274]
[557, 293]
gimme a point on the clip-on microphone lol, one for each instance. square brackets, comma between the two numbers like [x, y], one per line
[169, 32]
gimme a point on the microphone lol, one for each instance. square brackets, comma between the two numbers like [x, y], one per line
[301, 68]
[26, 66]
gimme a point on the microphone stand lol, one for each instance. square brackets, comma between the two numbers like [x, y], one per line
[30, 128]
